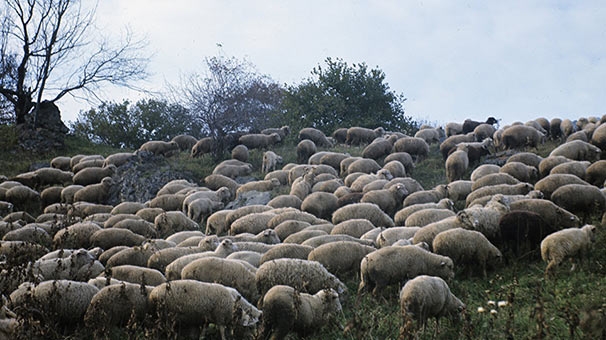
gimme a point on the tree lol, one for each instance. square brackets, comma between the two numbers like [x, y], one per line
[48, 50]
[340, 95]
[230, 97]
[124, 125]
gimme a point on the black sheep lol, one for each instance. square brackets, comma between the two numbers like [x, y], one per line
[522, 232]
[469, 125]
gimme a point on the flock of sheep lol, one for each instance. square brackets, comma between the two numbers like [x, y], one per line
[267, 270]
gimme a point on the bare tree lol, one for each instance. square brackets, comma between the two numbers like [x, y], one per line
[48, 50]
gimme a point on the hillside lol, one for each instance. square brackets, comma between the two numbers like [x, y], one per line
[515, 301]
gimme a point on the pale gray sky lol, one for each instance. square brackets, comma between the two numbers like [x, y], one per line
[515, 60]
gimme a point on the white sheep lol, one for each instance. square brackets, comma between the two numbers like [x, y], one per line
[567, 243]
[396, 264]
[285, 309]
[117, 304]
[347, 261]
[270, 161]
[428, 296]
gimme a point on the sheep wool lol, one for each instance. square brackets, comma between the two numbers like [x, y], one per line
[567, 243]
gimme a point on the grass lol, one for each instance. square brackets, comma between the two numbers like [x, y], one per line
[532, 306]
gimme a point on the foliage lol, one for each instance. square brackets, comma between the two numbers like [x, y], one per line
[343, 95]
[230, 97]
[48, 49]
[123, 125]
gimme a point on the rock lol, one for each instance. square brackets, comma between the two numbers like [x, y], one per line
[250, 198]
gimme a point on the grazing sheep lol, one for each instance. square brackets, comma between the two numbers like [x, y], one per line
[427, 233]
[476, 150]
[483, 170]
[403, 157]
[554, 128]
[203, 146]
[192, 303]
[286, 250]
[252, 223]
[505, 189]
[549, 163]
[596, 173]
[231, 273]
[416, 147]
[259, 140]
[580, 199]
[216, 223]
[567, 243]
[353, 227]
[117, 304]
[369, 211]
[304, 235]
[221, 195]
[157, 147]
[519, 136]
[316, 136]
[577, 150]
[551, 183]
[305, 149]
[243, 211]
[379, 148]
[233, 169]
[553, 214]
[95, 193]
[453, 128]
[348, 260]
[185, 142]
[282, 131]
[395, 168]
[23, 198]
[286, 310]
[330, 185]
[390, 236]
[107, 238]
[118, 159]
[401, 216]
[485, 219]
[364, 165]
[270, 161]
[302, 275]
[240, 152]
[521, 171]
[359, 135]
[456, 164]
[451, 142]
[521, 232]
[302, 186]
[598, 138]
[136, 274]
[217, 181]
[577, 168]
[75, 236]
[467, 248]
[285, 201]
[80, 265]
[567, 127]
[389, 200]
[93, 175]
[50, 196]
[397, 264]
[171, 222]
[426, 216]
[90, 163]
[262, 185]
[168, 202]
[528, 158]
[484, 131]
[320, 204]
[61, 163]
[333, 159]
[430, 135]
[426, 196]
[428, 296]
[340, 135]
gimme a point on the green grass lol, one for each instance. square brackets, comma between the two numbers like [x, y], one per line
[537, 308]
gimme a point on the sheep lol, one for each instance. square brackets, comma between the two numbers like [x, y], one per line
[353, 227]
[528, 158]
[315, 135]
[427, 233]
[390, 236]
[157, 147]
[467, 247]
[596, 173]
[416, 147]
[50, 195]
[203, 146]
[505, 189]
[52, 176]
[456, 165]
[85, 209]
[330, 185]
[221, 195]
[379, 148]
[85, 164]
[138, 226]
[243, 211]
[567, 243]
[521, 171]
[302, 275]
[107, 238]
[476, 150]
[231, 273]
[453, 128]
[566, 127]
[430, 135]
[364, 165]
[359, 135]
[485, 219]
[579, 135]
[304, 235]
[369, 211]
[519, 136]
[549, 163]
[270, 161]
[302, 187]
[521, 232]
[64, 302]
[348, 261]
[252, 223]
[282, 131]
[23, 198]
[104, 309]
[76, 235]
[484, 131]
[285, 201]
[320, 204]
[149, 214]
[167, 202]
[426, 196]
[240, 152]
[305, 149]
[403, 157]
[469, 125]
[118, 159]
[216, 181]
[451, 142]
[340, 135]
[396, 264]
[598, 138]
[136, 274]
[577, 150]
[286, 250]
[428, 296]
[136, 256]
[78, 266]
[551, 183]
[358, 180]
[552, 213]
[192, 303]
[577, 168]
[61, 163]
[262, 185]
[93, 175]
[332, 159]
[95, 193]
[580, 199]
[285, 309]
[293, 214]
[171, 222]
[483, 170]
[389, 200]
[426, 216]
[233, 169]
[402, 215]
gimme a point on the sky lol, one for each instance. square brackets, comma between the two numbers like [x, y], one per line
[452, 60]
